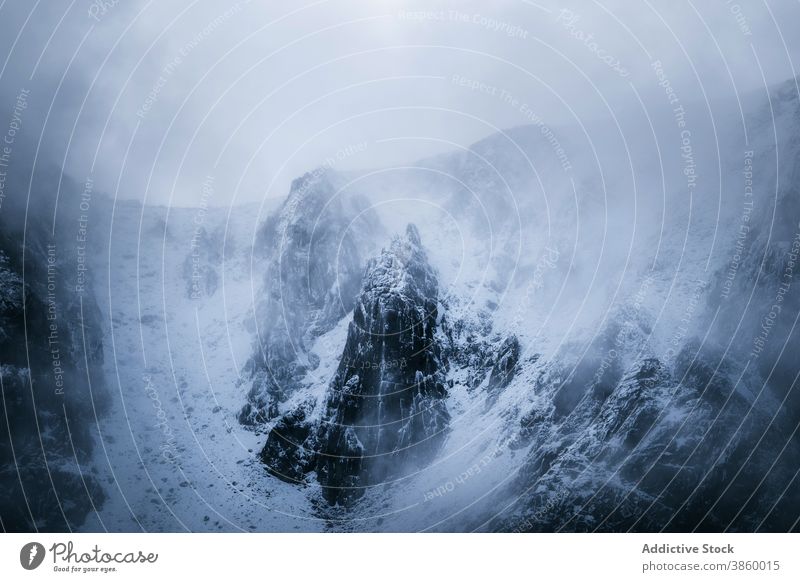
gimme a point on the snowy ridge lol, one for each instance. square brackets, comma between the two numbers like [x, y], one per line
[570, 353]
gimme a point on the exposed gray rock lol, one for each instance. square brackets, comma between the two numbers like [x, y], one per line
[385, 410]
[315, 247]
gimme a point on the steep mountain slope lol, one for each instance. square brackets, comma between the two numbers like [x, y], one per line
[385, 411]
[592, 345]
[620, 386]
[51, 358]
[316, 249]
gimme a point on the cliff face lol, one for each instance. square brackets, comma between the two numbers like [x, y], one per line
[644, 384]
[385, 411]
[51, 357]
[313, 274]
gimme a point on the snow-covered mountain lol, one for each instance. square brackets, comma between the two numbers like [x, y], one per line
[51, 366]
[315, 250]
[385, 411]
[586, 328]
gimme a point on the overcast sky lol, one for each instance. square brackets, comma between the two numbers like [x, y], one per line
[152, 98]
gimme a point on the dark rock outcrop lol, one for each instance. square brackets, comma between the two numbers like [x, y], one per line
[385, 411]
[313, 275]
[671, 446]
[289, 452]
[51, 357]
[504, 366]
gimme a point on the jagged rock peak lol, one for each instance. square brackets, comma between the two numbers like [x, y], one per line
[412, 234]
[316, 247]
[310, 181]
[385, 412]
[402, 269]
[307, 195]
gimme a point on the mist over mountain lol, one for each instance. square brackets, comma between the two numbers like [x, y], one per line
[385, 410]
[579, 322]
[315, 247]
[51, 341]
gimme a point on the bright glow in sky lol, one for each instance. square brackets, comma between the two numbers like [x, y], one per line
[150, 98]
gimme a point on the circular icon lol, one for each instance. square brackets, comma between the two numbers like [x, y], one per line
[31, 555]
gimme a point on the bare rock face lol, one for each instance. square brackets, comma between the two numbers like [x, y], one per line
[385, 411]
[314, 270]
[289, 451]
[51, 356]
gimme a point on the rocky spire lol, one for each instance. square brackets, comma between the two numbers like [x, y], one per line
[385, 411]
